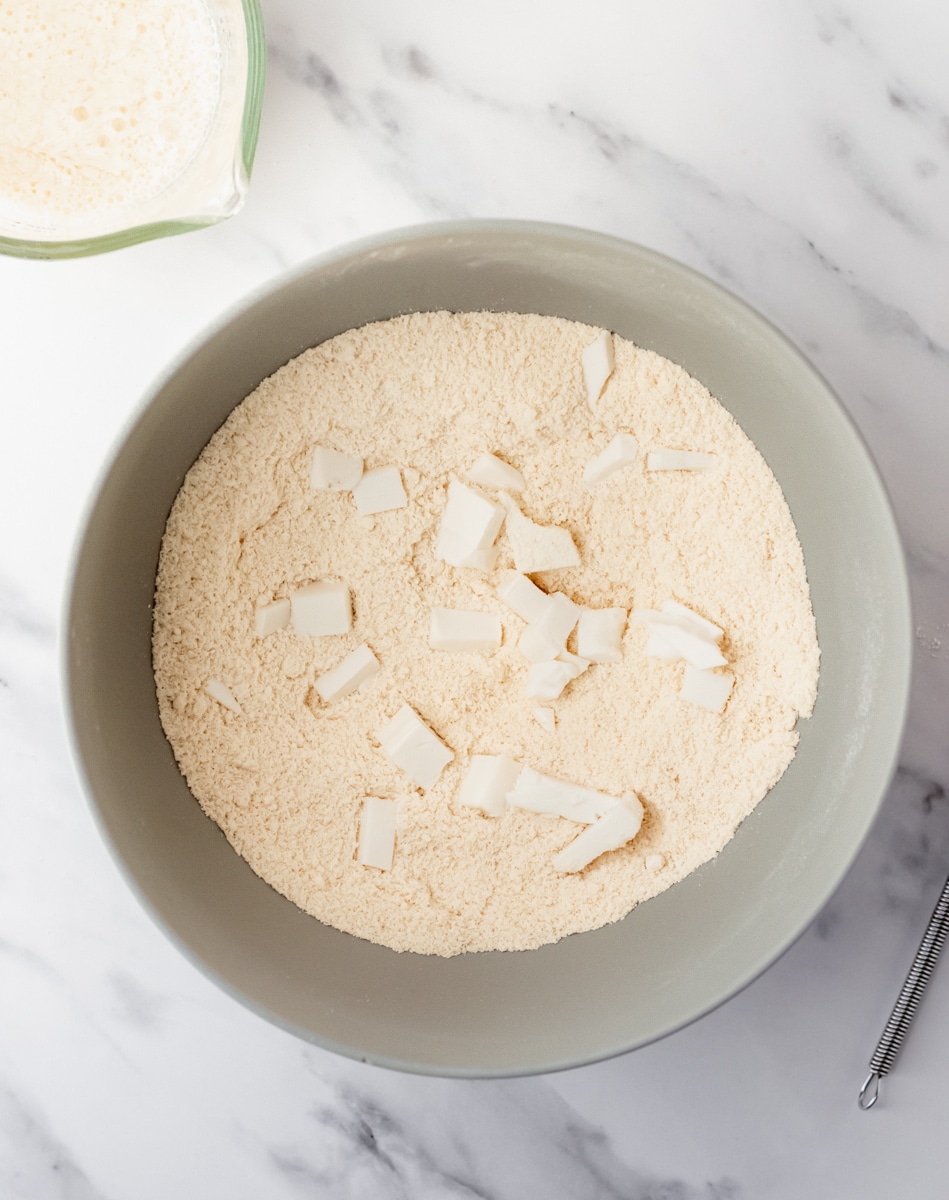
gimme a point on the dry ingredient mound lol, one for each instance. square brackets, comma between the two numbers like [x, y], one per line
[286, 779]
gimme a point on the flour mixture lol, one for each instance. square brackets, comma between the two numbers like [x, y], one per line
[386, 662]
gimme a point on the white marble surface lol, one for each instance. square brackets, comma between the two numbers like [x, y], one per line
[799, 153]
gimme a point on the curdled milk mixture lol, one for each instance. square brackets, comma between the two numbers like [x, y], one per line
[103, 104]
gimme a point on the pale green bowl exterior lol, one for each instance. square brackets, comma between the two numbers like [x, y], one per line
[675, 957]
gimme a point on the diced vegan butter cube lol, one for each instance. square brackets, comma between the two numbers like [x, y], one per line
[409, 743]
[481, 560]
[683, 633]
[700, 624]
[376, 833]
[694, 648]
[547, 680]
[470, 523]
[268, 618]
[537, 645]
[600, 634]
[523, 596]
[333, 471]
[321, 609]
[487, 782]
[560, 618]
[491, 471]
[351, 673]
[614, 829]
[576, 661]
[621, 451]
[706, 689]
[544, 639]
[554, 798]
[379, 490]
[679, 460]
[657, 646]
[545, 718]
[223, 695]
[598, 362]
[459, 629]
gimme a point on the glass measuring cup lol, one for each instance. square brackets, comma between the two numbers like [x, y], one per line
[210, 187]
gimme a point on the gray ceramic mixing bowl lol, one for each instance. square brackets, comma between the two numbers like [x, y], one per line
[673, 958]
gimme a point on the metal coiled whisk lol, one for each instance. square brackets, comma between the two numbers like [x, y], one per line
[904, 1010]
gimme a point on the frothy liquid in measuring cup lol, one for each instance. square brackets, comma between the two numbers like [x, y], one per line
[103, 105]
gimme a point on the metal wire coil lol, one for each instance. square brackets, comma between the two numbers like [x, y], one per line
[911, 993]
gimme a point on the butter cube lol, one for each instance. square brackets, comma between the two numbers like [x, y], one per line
[409, 743]
[547, 680]
[614, 829]
[598, 361]
[376, 833]
[351, 673]
[523, 596]
[470, 523]
[491, 471]
[555, 798]
[544, 639]
[487, 782]
[706, 689]
[461, 630]
[321, 609]
[679, 460]
[223, 695]
[694, 621]
[600, 634]
[335, 472]
[694, 648]
[537, 645]
[379, 490]
[481, 560]
[268, 618]
[621, 451]
[689, 636]
[545, 718]
[658, 647]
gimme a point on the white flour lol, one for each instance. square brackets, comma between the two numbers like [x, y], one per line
[429, 393]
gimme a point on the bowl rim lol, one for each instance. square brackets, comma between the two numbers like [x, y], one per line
[900, 683]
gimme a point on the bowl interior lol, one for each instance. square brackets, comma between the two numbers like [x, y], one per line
[671, 959]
